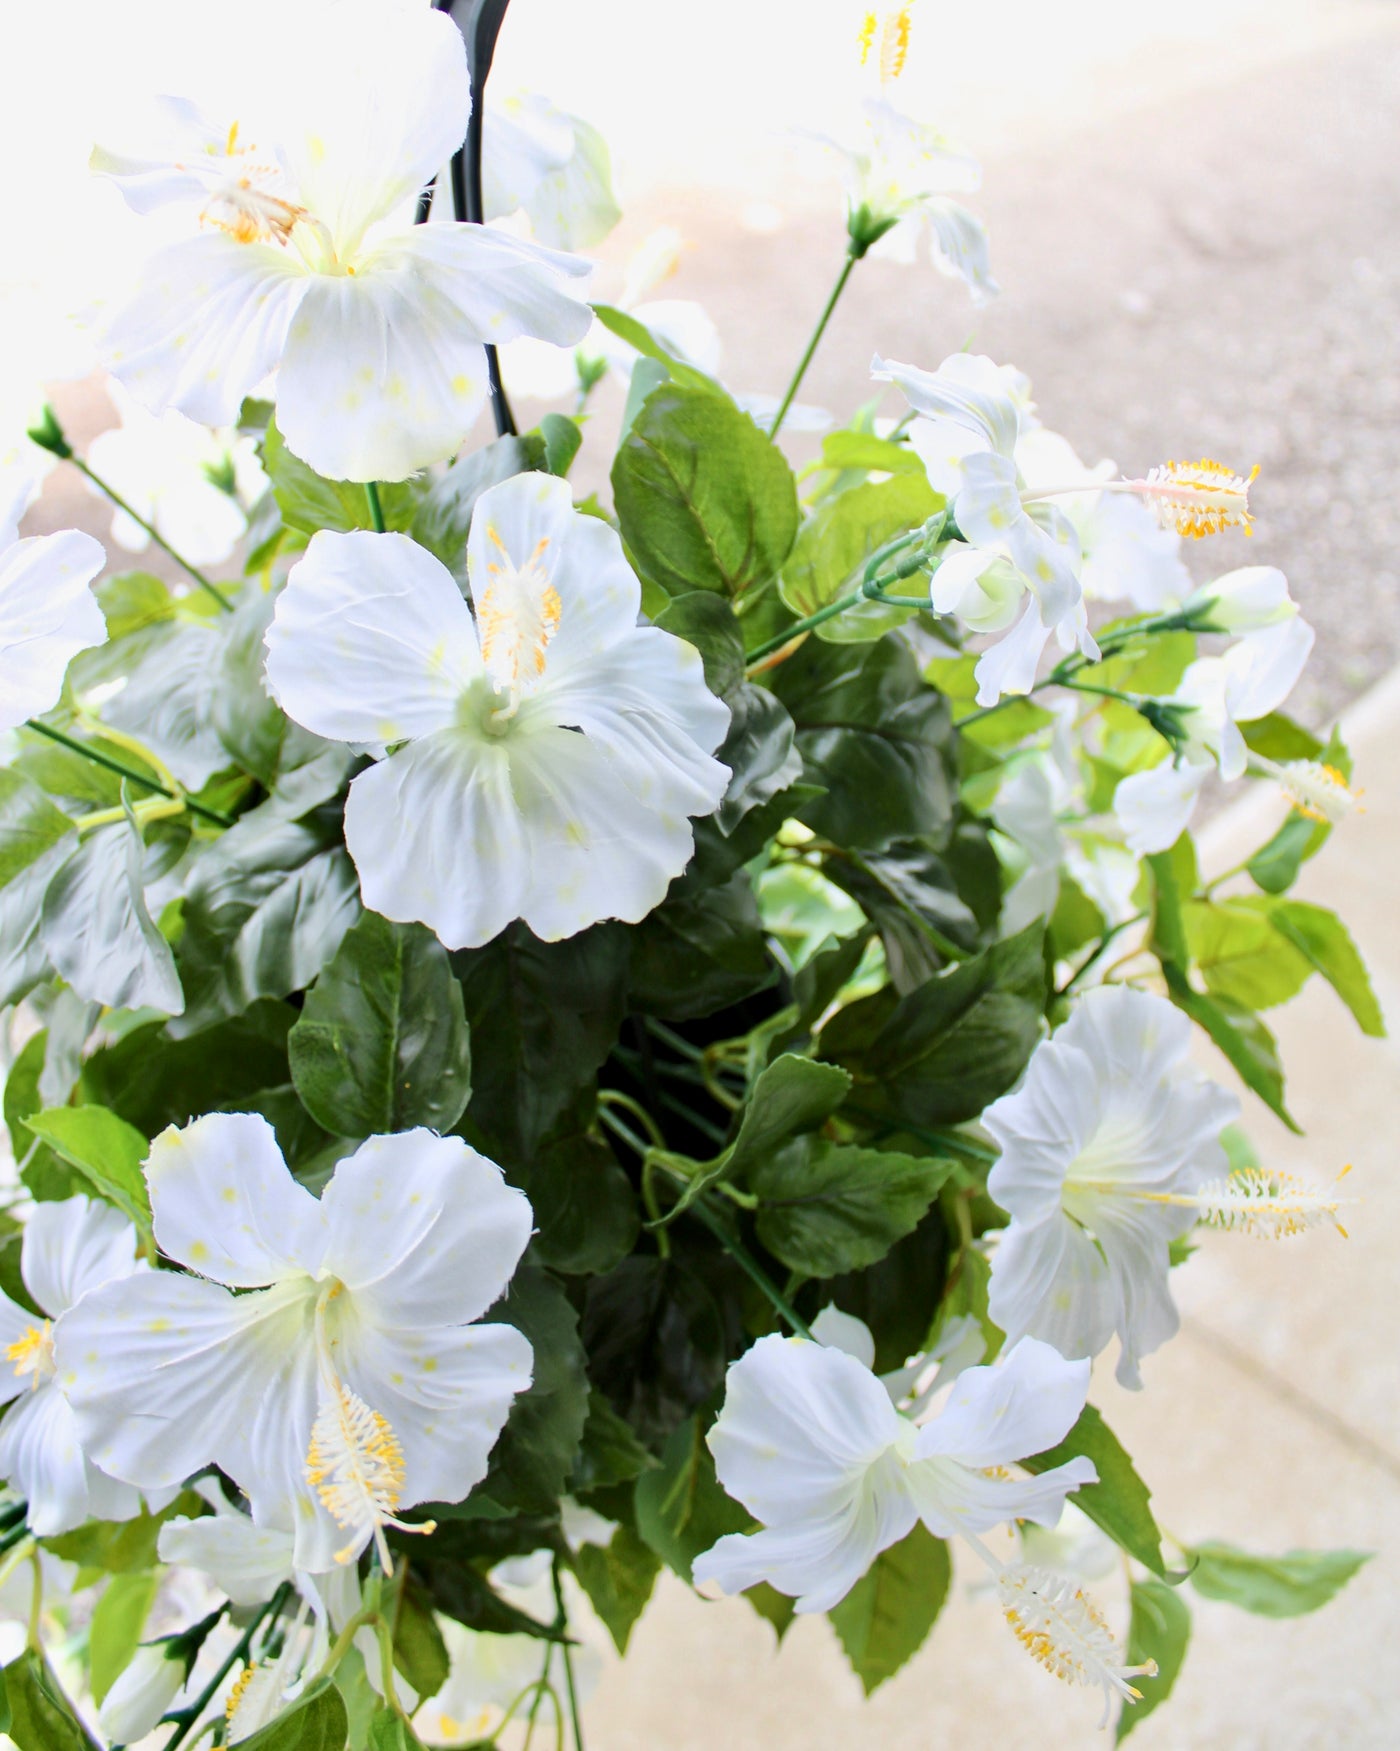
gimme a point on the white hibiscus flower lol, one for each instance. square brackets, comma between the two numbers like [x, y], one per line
[308, 258]
[553, 749]
[47, 611]
[349, 1380]
[539, 160]
[69, 1248]
[1105, 1148]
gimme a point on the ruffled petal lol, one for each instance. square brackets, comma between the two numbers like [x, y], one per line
[208, 324]
[73, 1246]
[801, 1427]
[458, 859]
[47, 615]
[1010, 665]
[1051, 1282]
[168, 1373]
[1028, 1401]
[960, 247]
[41, 1456]
[953, 1499]
[967, 388]
[371, 640]
[422, 1230]
[1041, 1128]
[500, 286]
[1155, 807]
[246, 1561]
[226, 1206]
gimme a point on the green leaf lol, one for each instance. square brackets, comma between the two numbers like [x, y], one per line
[943, 1053]
[443, 520]
[1240, 1035]
[793, 1094]
[846, 449]
[636, 334]
[704, 500]
[830, 553]
[307, 502]
[910, 892]
[886, 1617]
[562, 441]
[248, 721]
[827, 1208]
[532, 1461]
[1240, 954]
[681, 1507]
[97, 930]
[41, 1716]
[543, 1017]
[30, 825]
[419, 1650]
[24, 959]
[761, 753]
[316, 1721]
[167, 701]
[134, 602]
[585, 1208]
[382, 1042]
[701, 950]
[120, 1547]
[1275, 866]
[118, 1622]
[106, 1151]
[1278, 737]
[265, 909]
[389, 1731]
[1323, 939]
[610, 1454]
[1273, 1586]
[707, 622]
[1159, 1630]
[1118, 1502]
[874, 736]
[618, 1581]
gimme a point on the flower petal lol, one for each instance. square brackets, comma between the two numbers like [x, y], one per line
[41, 1456]
[422, 1230]
[168, 1374]
[1009, 666]
[371, 640]
[817, 1562]
[246, 1561]
[1027, 1401]
[1050, 1281]
[499, 285]
[225, 1205]
[960, 248]
[208, 324]
[967, 388]
[72, 1246]
[954, 1499]
[1155, 807]
[458, 859]
[47, 615]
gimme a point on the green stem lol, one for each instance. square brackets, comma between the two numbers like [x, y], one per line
[154, 533]
[100, 759]
[186, 1717]
[574, 1718]
[870, 588]
[846, 270]
[376, 510]
[750, 1266]
[1099, 948]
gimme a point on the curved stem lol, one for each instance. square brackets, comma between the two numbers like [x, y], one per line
[871, 588]
[154, 533]
[846, 269]
[98, 758]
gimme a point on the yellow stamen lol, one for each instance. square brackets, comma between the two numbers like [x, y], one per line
[518, 614]
[1198, 498]
[33, 1353]
[356, 1466]
[868, 26]
[239, 1691]
[894, 45]
[1059, 1625]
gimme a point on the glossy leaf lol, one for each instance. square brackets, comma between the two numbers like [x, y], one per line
[829, 556]
[1119, 1502]
[118, 1623]
[41, 1716]
[30, 825]
[1273, 1586]
[827, 1208]
[886, 1617]
[316, 1721]
[532, 1460]
[97, 931]
[618, 1580]
[1159, 1629]
[107, 1152]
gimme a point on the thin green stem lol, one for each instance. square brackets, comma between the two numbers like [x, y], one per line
[574, 1718]
[192, 571]
[100, 759]
[185, 1718]
[36, 1601]
[749, 1265]
[376, 510]
[847, 267]
[870, 588]
[1100, 947]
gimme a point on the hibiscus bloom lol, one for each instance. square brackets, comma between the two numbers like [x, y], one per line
[47, 611]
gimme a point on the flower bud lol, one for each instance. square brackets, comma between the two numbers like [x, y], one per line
[143, 1692]
[1246, 600]
[48, 435]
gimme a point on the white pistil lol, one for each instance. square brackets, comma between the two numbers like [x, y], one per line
[1193, 498]
[1061, 1626]
[518, 615]
[1267, 1204]
[1315, 789]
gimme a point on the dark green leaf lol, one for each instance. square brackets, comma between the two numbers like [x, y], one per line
[41, 1716]
[543, 1017]
[1159, 1630]
[1273, 1586]
[910, 893]
[316, 1721]
[1240, 1035]
[887, 1615]
[442, 521]
[30, 825]
[309, 503]
[532, 1460]
[419, 1650]
[107, 1152]
[949, 1048]
[610, 1454]
[586, 1215]
[899, 1297]
[97, 931]
[874, 736]
[707, 622]
[701, 950]
[681, 1508]
[827, 1208]
[382, 1044]
[618, 1581]
[1118, 1502]
[655, 1338]
[704, 500]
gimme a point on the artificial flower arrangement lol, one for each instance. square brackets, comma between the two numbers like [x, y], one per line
[564, 1039]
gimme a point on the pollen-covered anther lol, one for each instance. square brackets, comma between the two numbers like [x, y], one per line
[517, 616]
[1268, 1204]
[1318, 790]
[32, 1354]
[1198, 498]
[1060, 1625]
[356, 1466]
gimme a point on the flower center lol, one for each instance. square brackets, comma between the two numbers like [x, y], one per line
[518, 614]
[887, 40]
[249, 194]
[32, 1354]
[1198, 498]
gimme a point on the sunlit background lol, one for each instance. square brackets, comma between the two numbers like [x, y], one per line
[1195, 215]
